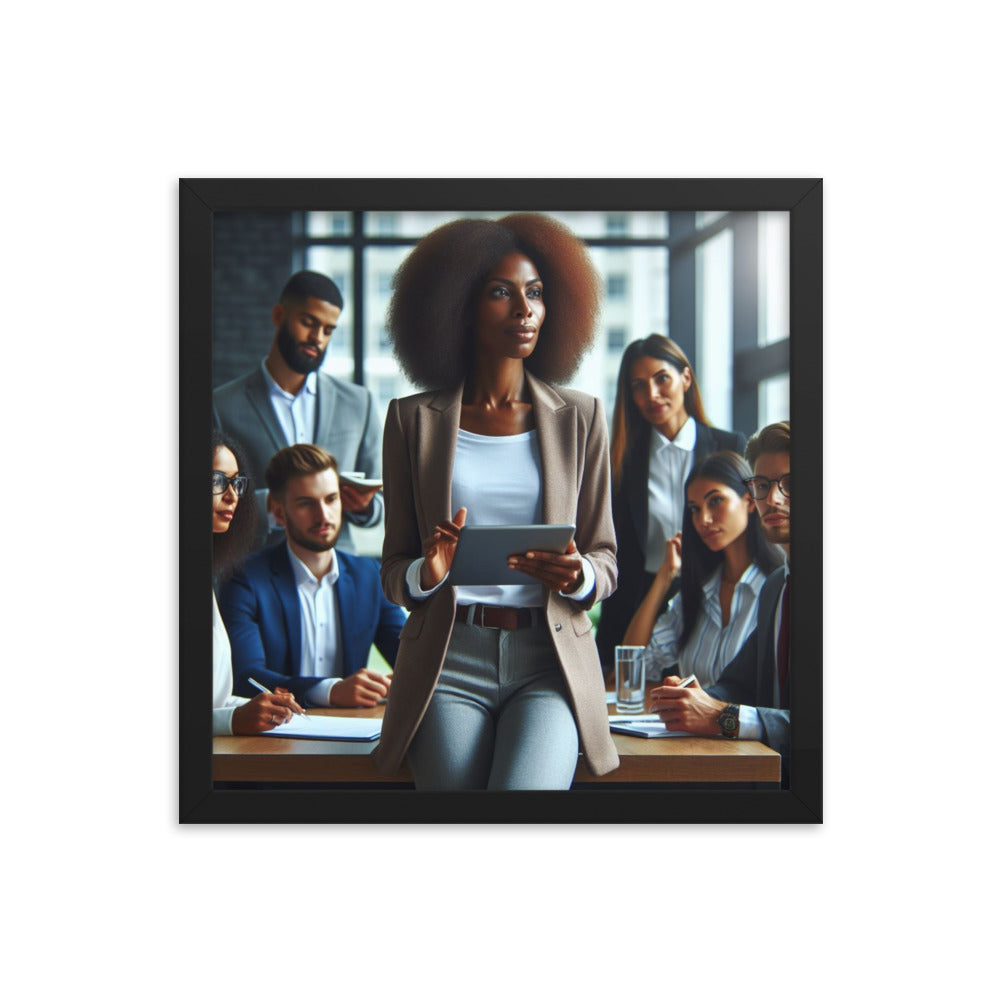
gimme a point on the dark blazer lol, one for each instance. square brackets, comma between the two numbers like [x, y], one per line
[749, 678]
[260, 606]
[420, 438]
[630, 509]
[347, 426]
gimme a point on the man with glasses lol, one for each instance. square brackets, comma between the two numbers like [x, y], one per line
[288, 400]
[301, 615]
[750, 699]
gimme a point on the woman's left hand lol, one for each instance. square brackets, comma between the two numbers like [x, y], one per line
[561, 572]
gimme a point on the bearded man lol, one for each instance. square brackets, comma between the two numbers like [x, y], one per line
[288, 400]
[302, 615]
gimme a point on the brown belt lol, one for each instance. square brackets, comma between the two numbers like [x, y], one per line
[493, 616]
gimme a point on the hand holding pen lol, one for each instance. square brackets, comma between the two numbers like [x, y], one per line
[684, 705]
[265, 711]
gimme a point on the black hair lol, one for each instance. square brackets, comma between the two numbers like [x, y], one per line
[698, 561]
[229, 547]
[311, 285]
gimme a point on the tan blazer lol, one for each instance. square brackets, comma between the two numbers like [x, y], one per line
[421, 433]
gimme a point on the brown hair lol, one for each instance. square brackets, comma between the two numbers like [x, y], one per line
[296, 460]
[768, 440]
[430, 315]
[629, 428]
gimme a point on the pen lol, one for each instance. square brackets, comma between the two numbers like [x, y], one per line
[687, 682]
[264, 690]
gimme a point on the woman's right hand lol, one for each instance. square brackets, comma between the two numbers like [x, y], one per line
[671, 565]
[439, 550]
[265, 712]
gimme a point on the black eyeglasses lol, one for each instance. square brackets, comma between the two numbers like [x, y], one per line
[221, 482]
[760, 487]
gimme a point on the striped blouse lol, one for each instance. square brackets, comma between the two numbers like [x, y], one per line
[711, 645]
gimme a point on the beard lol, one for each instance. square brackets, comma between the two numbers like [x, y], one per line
[312, 544]
[292, 354]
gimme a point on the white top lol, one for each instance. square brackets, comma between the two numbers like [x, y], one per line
[499, 481]
[322, 650]
[669, 466]
[223, 699]
[711, 645]
[296, 413]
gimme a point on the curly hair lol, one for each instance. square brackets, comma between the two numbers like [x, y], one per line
[431, 314]
[699, 561]
[229, 547]
[629, 428]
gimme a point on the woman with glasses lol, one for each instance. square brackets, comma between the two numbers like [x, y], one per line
[723, 559]
[496, 687]
[659, 431]
[233, 526]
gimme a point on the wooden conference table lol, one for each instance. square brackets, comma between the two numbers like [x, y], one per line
[267, 759]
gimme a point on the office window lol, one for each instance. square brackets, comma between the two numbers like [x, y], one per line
[617, 225]
[714, 326]
[336, 263]
[703, 219]
[773, 402]
[319, 224]
[617, 286]
[616, 337]
[772, 276]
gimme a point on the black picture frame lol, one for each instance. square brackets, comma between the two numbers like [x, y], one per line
[200, 802]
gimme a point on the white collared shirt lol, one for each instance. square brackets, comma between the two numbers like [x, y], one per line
[296, 413]
[669, 466]
[322, 652]
[711, 645]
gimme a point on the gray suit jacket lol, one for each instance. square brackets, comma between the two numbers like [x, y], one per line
[346, 426]
[421, 433]
[749, 678]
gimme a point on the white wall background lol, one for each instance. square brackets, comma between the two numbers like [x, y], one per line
[107, 105]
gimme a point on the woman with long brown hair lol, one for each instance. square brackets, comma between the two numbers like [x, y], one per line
[659, 431]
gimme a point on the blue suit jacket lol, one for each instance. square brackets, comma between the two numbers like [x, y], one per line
[749, 677]
[260, 606]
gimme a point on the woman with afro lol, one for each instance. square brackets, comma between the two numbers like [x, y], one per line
[496, 687]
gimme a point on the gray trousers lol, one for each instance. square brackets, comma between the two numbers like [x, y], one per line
[499, 717]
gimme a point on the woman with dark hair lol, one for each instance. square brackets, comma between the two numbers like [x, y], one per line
[233, 527]
[726, 560]
[496, 687]
[659, 430]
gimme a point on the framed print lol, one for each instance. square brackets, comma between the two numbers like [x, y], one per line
[729, 269]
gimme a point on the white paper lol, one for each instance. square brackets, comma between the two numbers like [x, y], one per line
[327, 727]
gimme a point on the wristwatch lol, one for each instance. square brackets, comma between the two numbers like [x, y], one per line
[729, 721]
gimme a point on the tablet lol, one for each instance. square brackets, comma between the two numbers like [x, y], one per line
[482, 551]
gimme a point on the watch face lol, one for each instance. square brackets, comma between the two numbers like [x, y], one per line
[729, 720]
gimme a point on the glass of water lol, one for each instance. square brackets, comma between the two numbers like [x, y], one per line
[630, 680]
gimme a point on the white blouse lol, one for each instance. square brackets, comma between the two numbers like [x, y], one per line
[669, 466]
[223, 699]
[711, 645]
